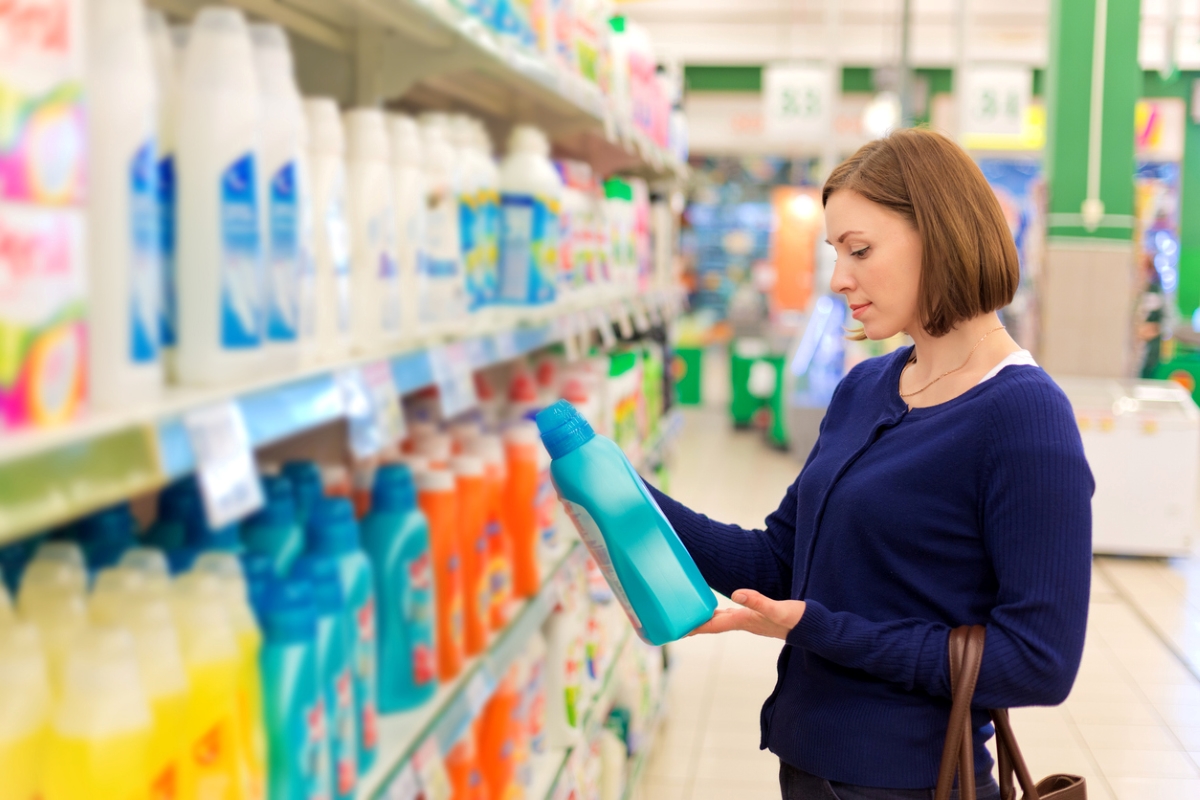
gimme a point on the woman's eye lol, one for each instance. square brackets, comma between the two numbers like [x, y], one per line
[860, 252]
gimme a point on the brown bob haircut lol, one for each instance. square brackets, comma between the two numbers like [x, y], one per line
[968, 259]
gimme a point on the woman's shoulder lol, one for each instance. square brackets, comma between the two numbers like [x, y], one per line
[1025, 400]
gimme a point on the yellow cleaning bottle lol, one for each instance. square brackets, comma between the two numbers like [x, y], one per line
[121, 597]
[24, 709]
[51, 597]
[99, 739]
[235, 595]
[213, 768]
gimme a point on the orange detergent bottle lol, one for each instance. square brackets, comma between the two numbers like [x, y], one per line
[500, 732]
[472, 544]
[462, 767]
[499, 545]
[438, 499]
[519, 507]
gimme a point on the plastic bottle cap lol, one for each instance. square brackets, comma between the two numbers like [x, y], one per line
[461, 130]
[69, 553]
[563, 428]
[464, 430]
[279, 503]
[523, 389]
[333, 528]
[421, 429]
[437, 447]
[435, 480]
[52, 577]
[335, 477]
[322, 574]
[405, 140]
[575, 391]
[227, 567]
[546, 373]
[147, 560]
[483, 387]
[366, 135]
[527, 139]
[106, 535]
[417, 463]
[489, 447]
[468, 466]
[394, 490]
[181, 559]
[273, 59]
[325, 126]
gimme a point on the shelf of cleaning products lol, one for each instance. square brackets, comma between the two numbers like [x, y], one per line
[637, 763]
[448, 714]
[47, 477]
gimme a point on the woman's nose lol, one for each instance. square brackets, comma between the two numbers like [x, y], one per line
[841, 282]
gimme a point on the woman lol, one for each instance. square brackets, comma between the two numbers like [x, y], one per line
[948, 486]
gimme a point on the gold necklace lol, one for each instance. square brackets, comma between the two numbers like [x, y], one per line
[952, 371]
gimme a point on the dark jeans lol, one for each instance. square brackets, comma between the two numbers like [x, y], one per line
[796, 784]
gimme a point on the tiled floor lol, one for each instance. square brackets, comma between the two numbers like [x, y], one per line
[1131, 726]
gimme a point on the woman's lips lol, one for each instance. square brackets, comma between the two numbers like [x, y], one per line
[856, 309]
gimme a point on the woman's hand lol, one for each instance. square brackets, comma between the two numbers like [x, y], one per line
[758, 615]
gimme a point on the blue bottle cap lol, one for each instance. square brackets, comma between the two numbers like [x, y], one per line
[306, 485]
[288, 612]
[563, 428]
[259, 570]
[322, 573]
[180, 502]
[180, 559]
[13, 560]
[279, 503]
[106, 535]
[332, 528]
[166, 534]
[394, 489]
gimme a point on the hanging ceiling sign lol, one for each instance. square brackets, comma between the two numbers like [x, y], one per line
[995, 100]
[798, 101]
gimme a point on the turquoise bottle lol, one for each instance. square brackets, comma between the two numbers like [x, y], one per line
[333, 533]
[395, 535]
[293, 706]
[648, 568]
[274, 530]
[106, 535]
[307, 487]
[335, 672]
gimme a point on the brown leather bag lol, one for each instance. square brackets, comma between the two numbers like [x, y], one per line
[958, 755]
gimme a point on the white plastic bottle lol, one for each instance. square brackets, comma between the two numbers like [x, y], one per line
[331, 231]
[408, 192]
[166, 76]
[375, 279]
[220, 262]
[282, 124]
[447, 303]
[488, 214]
[469, 189]
[124, 278]
[530, 199]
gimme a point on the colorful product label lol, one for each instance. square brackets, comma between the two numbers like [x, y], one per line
[589, 531]
[43, 286]
[468, 234]
[481, 595]
[499, 574]
[145, 282]
[312, 732]
[283, 239]
[381, 237]
[342, 742]
[487, 223]
[241, 268]
[43, 155]
[337, 237]
[418, 614]
[212, 762]
[455, 613]
[546, 503]
[442, 268]
[364, 673]
[528, 249]
[166, 249]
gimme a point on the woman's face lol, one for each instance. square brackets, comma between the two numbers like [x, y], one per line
[878, 263]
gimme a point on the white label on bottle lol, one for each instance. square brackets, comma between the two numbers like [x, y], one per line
[337, 235]
[224, 465]
[453, 376]
[442, 268]
[284, 252]
[241, 268]
[381, 238]
[589, 531]
[145, 279]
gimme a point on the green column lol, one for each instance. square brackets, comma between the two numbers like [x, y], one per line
[1085, 299]
[1188, 294]
[1069, 94]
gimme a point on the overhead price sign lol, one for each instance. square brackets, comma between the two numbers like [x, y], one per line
[798, 101]
[995, 100]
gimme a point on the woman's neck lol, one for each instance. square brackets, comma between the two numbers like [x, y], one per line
[936, 355]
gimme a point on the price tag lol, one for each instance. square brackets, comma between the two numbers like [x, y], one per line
[431, 771]
[385, 401]
[640, 320]
[479, 691]
[224, 464]
[506, 346]
[477, 354]
[405, 786]
[624, 321]
[454, 378]
[366, 439]
[604, 325]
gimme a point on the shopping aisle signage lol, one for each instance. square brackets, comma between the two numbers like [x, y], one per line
[995, 100]
[224, 464]
[798, 101]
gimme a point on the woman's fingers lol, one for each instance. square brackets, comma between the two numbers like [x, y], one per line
[726, 619]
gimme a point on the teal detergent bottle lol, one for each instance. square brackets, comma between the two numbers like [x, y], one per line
[396, 537]
[293, 706]
[333, 533]
[181, 511]
[648, 568]
[335, 671]
[307, 487]
[273, 530]
[106, 535]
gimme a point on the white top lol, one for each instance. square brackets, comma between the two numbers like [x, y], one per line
[1019, 358]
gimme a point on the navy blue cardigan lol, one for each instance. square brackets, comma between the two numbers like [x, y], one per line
[902, 525]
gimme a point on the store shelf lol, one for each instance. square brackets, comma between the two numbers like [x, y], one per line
[458, 702]
[654, 452]
[435, 55]
[638, 762]
[48, 477]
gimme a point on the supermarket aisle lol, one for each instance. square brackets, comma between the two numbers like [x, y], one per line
[1131, 726]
